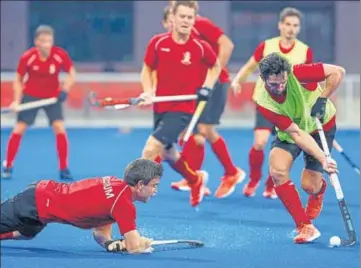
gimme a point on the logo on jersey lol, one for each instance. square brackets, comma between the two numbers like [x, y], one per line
[36, 68]
[52, 69]
[186, 58]
[107, 187]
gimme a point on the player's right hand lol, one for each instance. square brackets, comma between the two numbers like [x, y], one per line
[236, 88]
[147, 99]
[330, 166]
[14, 106]
[146, 242]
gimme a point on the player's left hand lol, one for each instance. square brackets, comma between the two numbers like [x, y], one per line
[115, 245]
[330, 166]
[204, 93]
[319, 108]
[147, 98]
[62, 96]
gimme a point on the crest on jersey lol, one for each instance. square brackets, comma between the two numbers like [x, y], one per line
[52, 69]
[186, 58]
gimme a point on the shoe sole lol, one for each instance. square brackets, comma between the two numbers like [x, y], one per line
[231, 191]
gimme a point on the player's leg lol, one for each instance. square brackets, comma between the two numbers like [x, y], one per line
[281, 157]
[56, 120]
[312, 180]
[262, 132]
[19, 217]
[23, 121]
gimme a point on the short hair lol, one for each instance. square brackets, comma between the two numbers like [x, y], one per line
[273, 64]
[191, 4]
[44, 29]
[166, 12]
[142, 170]
[290, 12]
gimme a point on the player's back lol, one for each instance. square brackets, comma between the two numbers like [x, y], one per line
[85, 204]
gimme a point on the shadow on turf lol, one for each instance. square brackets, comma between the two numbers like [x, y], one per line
[33, 252]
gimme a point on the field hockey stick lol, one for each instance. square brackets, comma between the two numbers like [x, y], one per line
[197, 114]
[351, 240]
[30, 105]
[119, 104]
[339, 149]
[194, 243]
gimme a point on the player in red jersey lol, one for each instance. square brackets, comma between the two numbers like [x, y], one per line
[177, 59]
[42, 64]
[94, 203]
[296, 52]
[193, 150]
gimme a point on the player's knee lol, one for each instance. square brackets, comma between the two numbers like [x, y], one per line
[208, 132]
[20, 128]
[199, 139]
[311, 182]
[279, 174]
[58, 126]
[152, 150]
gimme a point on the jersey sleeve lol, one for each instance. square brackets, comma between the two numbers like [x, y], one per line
[67, 62]
[209, 56]
[280, 121]
[208, 30]
[22, 67]
[309, 73]
[150, 57]
[309, 55]
[258, 53]
[124, 214]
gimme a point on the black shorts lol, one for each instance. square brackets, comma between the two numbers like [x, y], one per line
[53, 112]
[168, 126]
[215, 106]
[20, 214]
[310, 162]
[263, 123]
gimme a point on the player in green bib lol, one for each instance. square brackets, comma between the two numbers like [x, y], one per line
[291, 99]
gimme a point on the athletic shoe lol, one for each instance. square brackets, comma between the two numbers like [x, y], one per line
[306, 234]
[229, 182]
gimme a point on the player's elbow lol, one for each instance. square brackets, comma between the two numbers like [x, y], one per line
[334, 70]
[226, 43]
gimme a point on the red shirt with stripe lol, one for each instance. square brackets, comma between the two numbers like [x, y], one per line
[87, 203]
[207, 30]
[258, 53]
[308, 75]
[180, 69]
[43, 75]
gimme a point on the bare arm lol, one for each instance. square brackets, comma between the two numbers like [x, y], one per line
[245, 71]
[69, 79]
[147, 80]
[102, 234]
[134, 243]
[212, 75]
[18, 88]
[334, 75]
[226, 47]
[305, 141]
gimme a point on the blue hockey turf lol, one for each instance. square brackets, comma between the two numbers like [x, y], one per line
[237, 232]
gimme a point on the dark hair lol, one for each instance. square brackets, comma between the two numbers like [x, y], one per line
[191, 4]
[273, 64]
[142, 170]
[44, 29]
[290, 12]
[166, 12]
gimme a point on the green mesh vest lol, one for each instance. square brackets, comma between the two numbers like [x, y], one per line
[297, 106]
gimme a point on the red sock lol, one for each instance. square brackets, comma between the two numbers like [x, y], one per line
[158, 159]
[255, 164]
[13, 147]
[62, 148]
[182, 167]
[5, 236]
[193, 153]
[269, 182]
[220, 149]
[288, 194]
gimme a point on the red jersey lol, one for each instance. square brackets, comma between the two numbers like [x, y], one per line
[308, 75]
[206, 30]
[43, 75]
[87, 203]
[180, 69]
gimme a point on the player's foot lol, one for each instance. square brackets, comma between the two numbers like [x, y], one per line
[249, 190]
[229, 182]
[197, 188]
[7, 172]
[182, 185]
[65, 174]
[270, 193]
[315, 203]
[306, 234]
